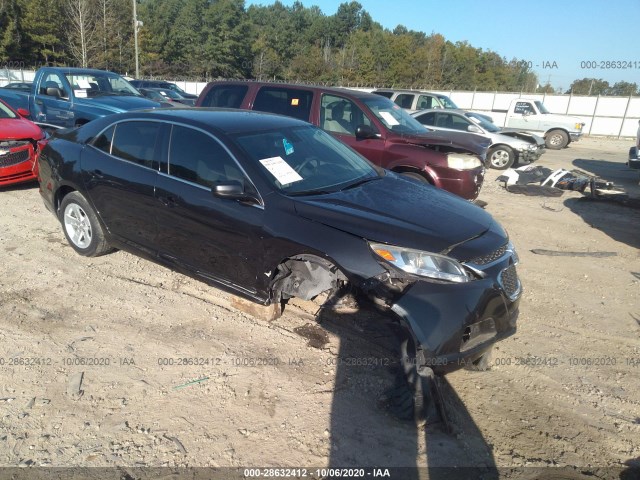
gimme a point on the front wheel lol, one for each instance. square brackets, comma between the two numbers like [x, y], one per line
[81, 226]
[501, 157]
[557, 139]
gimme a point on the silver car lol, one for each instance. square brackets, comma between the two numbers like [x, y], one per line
[507, 148]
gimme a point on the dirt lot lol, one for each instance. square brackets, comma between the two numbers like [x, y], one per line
[91, 369]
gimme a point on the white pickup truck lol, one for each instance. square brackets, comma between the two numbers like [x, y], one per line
[532, 116]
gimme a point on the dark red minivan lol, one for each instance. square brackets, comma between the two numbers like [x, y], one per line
[372, 125]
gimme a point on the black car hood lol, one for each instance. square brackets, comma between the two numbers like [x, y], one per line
[458, 141]
[399, 211]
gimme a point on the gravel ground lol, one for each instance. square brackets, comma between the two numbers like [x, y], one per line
[116, 361]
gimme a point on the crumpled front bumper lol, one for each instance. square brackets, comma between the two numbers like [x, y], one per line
[530, 156]
[575, 136]
[454, 324]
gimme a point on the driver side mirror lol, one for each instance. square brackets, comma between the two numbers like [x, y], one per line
[474, 129]
[23, 112]
[54, 92]
[364, 132]
[234, 190]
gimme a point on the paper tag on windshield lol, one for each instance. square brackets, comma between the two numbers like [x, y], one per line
[281, 170]
[82, 83]
[390, 119]
[81, 93]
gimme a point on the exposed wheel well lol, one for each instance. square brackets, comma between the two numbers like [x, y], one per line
[61, 193]
[305, 276]
[422, 173]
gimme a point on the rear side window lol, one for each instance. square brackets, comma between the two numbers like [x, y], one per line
[225, 96]
[103, 141]
[405, 100]
[284, 101]
[196, 157]
[136, 142]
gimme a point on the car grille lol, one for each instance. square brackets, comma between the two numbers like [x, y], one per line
[493, 256]
[509, 282]
[14, 158]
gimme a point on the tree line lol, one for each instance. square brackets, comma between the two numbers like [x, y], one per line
[209, 39]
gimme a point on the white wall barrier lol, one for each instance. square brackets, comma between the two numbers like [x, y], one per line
[602, 115]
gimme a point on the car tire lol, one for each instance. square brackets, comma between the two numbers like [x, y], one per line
[501, 157]
[411, 398]
[556, 139]
[482, 363]
[81, 226]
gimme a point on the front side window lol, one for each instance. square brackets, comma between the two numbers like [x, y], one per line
[136, 141]
[426, 101]
[427, 118]
[523, 108]
[52, 80]
[196, 157]
[340, 115]
[284, 101]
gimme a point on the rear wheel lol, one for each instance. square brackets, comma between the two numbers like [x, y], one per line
[81, 226]
[556, 139]
[501, 157]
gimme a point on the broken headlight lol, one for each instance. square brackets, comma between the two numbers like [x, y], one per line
[424, 264]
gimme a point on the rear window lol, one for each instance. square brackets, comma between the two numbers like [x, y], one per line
[225, 96]
[284, 101]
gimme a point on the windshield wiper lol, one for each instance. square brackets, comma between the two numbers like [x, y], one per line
[360, 182]
[318, 191]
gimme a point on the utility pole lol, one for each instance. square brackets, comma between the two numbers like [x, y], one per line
[135, 37]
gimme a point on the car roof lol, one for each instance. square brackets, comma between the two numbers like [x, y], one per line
[401, 90]
[227, 121]
[317, 88]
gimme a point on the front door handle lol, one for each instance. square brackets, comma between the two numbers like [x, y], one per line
[98, 173]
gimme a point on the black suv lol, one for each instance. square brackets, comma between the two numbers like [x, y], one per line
[162, 84]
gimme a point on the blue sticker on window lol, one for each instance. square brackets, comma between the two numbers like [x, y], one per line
[288, 147]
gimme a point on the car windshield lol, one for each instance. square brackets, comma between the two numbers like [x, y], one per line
[541, 107]
[483, 122]
[5, 112]
[446, 101]
[98, 84]
[176, 88]
[393, 116]
[305, 160]
[171, 94]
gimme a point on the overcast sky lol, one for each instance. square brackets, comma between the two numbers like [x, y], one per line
[542, 32]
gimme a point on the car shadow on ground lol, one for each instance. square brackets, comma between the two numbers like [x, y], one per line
[618, 221]
[18, 187]
[617, 172]
[364, 433]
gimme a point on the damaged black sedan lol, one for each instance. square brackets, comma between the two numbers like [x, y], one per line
[270, 207]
